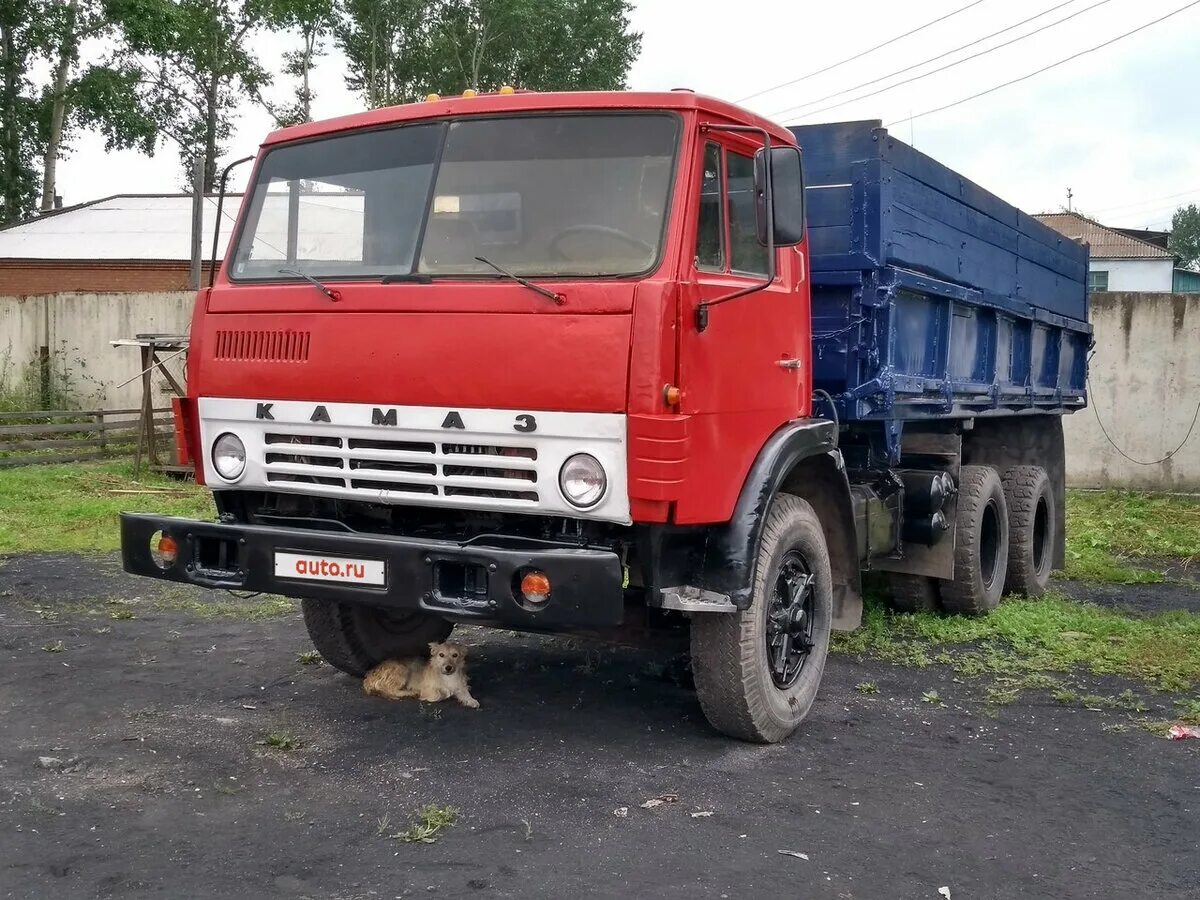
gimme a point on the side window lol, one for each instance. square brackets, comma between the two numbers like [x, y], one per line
[710, 236]
[746, 254]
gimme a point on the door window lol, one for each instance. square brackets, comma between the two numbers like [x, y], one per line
[746, 254]
[710, 234]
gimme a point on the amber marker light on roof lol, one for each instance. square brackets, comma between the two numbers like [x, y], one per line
[469, 93]
[429, 98]
[507, 89]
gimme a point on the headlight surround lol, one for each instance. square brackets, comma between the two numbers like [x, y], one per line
[229, 456]
[582, 480]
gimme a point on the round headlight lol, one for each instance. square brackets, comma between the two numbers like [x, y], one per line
[229, 456]
[582, 480]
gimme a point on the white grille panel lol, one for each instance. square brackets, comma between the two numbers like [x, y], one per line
[489, 464]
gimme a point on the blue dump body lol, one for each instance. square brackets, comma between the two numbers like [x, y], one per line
[933, 298]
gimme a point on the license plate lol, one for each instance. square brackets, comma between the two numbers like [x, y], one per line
[313, 567]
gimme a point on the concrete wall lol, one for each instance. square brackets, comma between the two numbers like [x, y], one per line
[1136, 274]
[77, 329]
[1145, 378]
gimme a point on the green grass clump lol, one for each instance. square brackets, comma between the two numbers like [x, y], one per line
[1023, 637]
[432, 820]
[1107, 528]
[74, 507]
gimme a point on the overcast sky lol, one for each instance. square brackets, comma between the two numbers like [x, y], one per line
[1120, 127]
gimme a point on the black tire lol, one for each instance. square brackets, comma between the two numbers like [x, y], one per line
[980, 544]
[355, 638]
[913, 593]
[1032, 524]
[731, 662]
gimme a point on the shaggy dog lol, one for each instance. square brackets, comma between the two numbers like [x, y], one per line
[432, 680]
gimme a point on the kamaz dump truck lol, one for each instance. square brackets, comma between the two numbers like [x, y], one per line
[584, 362]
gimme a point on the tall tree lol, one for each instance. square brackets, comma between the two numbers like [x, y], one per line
[387, 46]
[1185, 235]
[103, 97]
[545, 45]
[195, 67]
[400, 50]
[22, 40]
[314, 20]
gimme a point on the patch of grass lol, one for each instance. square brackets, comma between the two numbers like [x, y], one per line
[55, 647]
[932, 697]
[1105, 529]
[1051, 634]
[282, 739]
[1188, 711]
[121, 614]
[528, 829]
[432, 820]
[73, 507]
[309, 658]
[867, 687]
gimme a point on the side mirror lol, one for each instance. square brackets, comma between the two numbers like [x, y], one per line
[786, 178]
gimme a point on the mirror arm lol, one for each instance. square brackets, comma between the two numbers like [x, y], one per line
[703, 308]
[212, 265]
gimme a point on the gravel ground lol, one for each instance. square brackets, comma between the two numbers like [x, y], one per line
[155, 782]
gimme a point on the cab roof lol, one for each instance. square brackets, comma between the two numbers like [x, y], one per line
[528, 101]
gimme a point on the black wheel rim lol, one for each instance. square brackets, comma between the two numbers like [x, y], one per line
[989, 545]
[790, 619]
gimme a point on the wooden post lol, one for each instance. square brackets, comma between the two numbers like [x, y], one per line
[103, 436]
[197, 221]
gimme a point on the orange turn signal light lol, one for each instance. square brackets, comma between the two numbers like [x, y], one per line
[165, 551]
[535, 587]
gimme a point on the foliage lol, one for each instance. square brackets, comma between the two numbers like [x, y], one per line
[195, 67]
[1027, 637]
[101, 97]
[431, 821]
[23, 38]
[314, 20]
[400, 50]
[1105, 528]
[1185, 235]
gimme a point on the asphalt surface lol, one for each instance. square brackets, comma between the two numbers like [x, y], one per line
[156, 783]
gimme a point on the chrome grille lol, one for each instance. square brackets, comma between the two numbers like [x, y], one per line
[375, 465]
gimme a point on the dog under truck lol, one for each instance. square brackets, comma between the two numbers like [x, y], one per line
[582, 362]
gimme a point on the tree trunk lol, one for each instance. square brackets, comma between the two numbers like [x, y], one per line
[306, 92]
[210, 133]
[62, 71]
[11, 150]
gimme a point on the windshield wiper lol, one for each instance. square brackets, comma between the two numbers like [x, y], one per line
[329, 292]
[559, 299]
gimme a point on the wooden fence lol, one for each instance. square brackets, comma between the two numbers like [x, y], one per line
[74, 435]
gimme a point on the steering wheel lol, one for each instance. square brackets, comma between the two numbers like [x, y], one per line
[603, 230]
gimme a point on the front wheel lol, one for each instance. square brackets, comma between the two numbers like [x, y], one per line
[757, 671]
[355, 638]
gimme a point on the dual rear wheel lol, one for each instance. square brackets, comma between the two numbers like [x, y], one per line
[1004, 544]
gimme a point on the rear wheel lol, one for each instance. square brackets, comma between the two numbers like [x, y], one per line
[980, 544]
[355, 638]
[1032, 524]
[757, 671]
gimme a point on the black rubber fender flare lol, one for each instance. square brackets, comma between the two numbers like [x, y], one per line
[732, 548]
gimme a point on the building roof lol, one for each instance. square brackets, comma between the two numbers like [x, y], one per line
[124, 227]
[1105, 243]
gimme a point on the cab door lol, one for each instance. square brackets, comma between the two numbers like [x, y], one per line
[746, 373]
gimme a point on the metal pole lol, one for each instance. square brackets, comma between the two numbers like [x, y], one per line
[197, 221]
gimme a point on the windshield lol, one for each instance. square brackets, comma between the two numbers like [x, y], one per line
[561, 195]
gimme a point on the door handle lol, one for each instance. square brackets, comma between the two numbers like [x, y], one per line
[789, 363]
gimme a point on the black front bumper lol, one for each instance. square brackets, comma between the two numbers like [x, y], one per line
[468, 581]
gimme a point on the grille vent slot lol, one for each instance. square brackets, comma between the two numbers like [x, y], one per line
[267, 346]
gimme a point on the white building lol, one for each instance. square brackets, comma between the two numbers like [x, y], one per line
[1119, 261]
